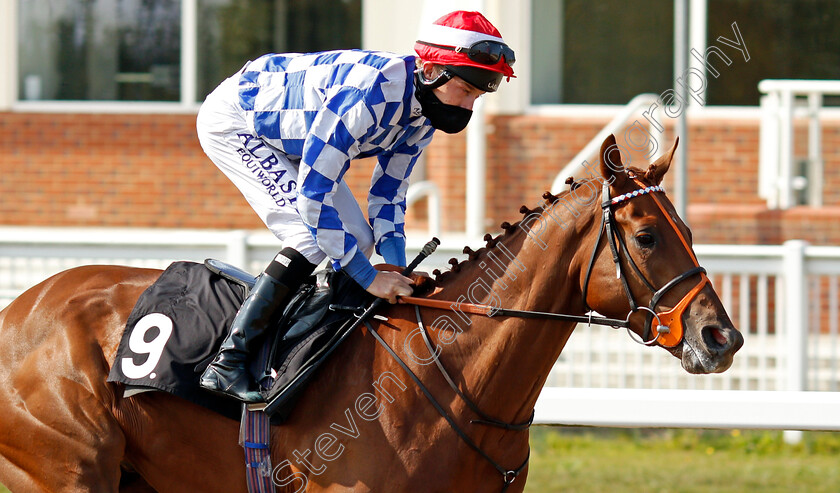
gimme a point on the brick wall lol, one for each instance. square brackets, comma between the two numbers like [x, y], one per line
[149, 171]
[112, 170]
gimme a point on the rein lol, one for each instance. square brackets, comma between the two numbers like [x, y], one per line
[493, 311]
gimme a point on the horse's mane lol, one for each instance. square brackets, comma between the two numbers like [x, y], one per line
[508, 229]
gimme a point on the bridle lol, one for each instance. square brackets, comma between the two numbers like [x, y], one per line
[669, 329]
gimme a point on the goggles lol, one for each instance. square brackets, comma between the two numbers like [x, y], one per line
[483, 52]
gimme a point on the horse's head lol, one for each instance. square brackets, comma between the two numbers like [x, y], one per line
[643, 263]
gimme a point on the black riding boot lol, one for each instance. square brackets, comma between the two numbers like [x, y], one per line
[228, 373]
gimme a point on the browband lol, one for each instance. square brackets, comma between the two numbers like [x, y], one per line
[636, 193]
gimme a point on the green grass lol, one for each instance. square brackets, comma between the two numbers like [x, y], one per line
[591, 460]
[660, 461]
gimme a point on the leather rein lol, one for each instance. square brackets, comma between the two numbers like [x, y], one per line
[669, 330]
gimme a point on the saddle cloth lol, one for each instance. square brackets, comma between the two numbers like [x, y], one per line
[178, 324]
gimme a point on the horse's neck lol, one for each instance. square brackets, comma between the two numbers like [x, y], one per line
[504, 361]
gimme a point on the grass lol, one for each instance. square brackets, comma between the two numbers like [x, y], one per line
[591, 460]
[681, 461]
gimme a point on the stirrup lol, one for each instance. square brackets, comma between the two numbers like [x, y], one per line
[212, 380]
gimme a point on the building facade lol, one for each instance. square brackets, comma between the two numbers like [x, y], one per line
[97, 110]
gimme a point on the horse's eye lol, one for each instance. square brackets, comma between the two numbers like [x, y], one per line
[645, 240]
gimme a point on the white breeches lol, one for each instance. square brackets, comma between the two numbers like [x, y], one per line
[266, 177]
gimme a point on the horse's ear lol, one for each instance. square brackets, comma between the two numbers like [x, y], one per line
[611, 167]
[657, 170]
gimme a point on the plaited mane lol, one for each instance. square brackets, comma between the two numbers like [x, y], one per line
[508, 229]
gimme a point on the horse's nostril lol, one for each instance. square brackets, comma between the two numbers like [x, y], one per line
[714, 337]
[719, 337]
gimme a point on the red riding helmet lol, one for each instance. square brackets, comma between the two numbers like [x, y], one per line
[468, 46]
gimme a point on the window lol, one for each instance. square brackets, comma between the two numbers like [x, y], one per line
[231, 32]
[121, 50]
[130, 50]
[609, 51]
[605, 52]
[786, 39]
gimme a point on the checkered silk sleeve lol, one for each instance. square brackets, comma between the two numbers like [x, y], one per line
[386, 200]
[329, 108]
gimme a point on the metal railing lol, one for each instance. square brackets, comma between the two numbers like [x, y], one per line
[30, 255]
[430, 190]
[784, 299]
[786, 180]
[574, 167]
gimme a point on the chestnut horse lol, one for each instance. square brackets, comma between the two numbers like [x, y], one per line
[363, 423]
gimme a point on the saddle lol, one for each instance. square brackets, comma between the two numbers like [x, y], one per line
[313, 324]
[181, 320]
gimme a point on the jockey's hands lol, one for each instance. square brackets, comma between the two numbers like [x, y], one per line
[389, 285]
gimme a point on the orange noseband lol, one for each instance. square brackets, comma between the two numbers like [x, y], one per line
[669, 332]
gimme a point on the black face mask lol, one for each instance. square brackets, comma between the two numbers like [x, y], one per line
[444, 117]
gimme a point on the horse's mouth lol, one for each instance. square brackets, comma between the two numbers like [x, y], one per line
[711, 352]
[692, 362]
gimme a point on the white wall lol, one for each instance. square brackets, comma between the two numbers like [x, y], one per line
[513, 19]
[8, 53]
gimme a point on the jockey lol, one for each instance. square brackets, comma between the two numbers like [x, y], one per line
[284, 130]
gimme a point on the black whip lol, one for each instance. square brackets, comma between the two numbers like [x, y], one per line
[428, 249]
[280, 396]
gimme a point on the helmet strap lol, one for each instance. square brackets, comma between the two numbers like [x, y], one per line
[442, 78]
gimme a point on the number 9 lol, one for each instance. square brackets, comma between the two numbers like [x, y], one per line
[154, 348]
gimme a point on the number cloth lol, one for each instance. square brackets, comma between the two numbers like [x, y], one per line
[173, 332]
[284, 130]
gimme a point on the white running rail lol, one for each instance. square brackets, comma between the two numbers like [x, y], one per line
[782, 175]
[784, 299]
[668, 408]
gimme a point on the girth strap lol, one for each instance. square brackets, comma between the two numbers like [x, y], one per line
[255, 438]
[254, 434]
